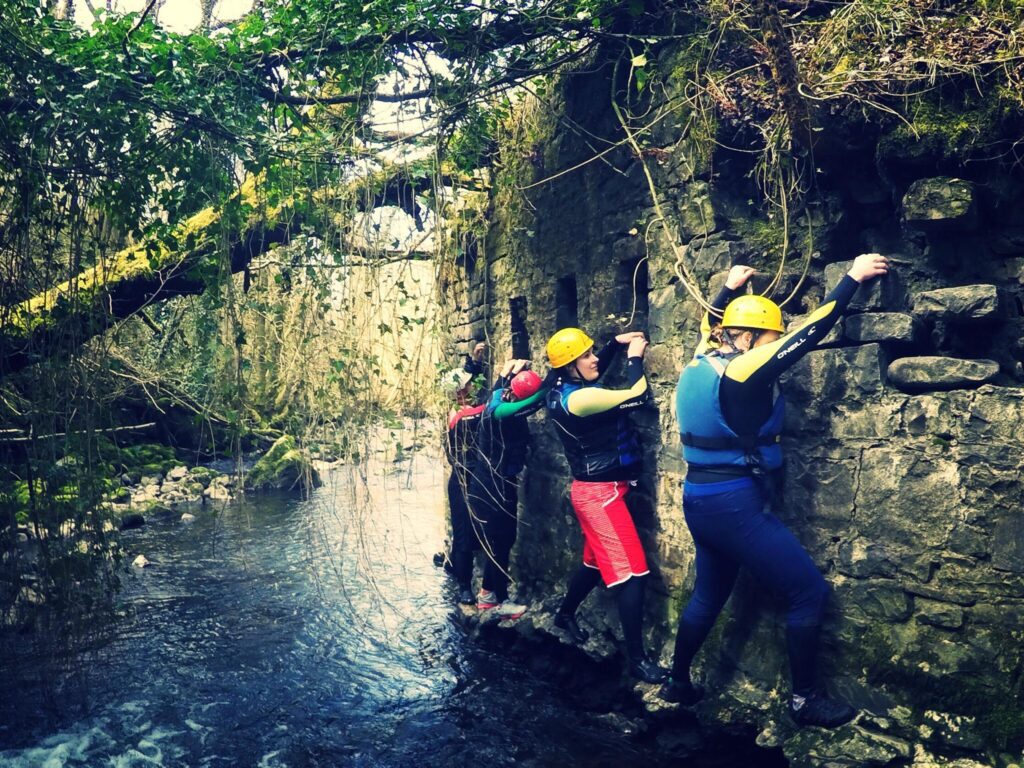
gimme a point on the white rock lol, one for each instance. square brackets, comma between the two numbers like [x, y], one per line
[140, 561]
[217, 493]
[188, 517]
[177, 473]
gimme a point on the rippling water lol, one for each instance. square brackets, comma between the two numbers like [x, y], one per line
[285, 632]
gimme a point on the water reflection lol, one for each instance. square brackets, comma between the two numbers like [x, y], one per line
[276, 632]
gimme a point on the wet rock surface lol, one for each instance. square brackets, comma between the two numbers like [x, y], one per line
[941, 205]
[920, 374]
[903, 445]
[962, 303]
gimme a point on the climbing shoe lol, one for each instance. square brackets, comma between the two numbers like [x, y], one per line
[506, 610]
[681, 692]
[568, 625]
[646, 670]
[486, 600]
[818, 709]
[466, 596]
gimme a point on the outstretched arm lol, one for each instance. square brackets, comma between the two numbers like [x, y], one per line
[530, 405]
[589, 401]
[735, 280]
[762, 365]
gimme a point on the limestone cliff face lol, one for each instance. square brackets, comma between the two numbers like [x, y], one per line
[903, 440]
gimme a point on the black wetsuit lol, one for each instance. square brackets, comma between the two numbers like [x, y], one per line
[458, 447]
[497, 459]
[604, 456]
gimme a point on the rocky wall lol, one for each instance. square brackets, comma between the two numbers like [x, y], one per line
[903, 432]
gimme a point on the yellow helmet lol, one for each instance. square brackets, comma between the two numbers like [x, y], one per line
[566, 345]
[752, 311]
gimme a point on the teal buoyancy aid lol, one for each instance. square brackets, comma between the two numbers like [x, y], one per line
[707, 438]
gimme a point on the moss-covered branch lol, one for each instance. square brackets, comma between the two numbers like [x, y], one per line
[188, 261]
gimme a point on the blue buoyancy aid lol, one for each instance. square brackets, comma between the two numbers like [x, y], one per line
[707, 439]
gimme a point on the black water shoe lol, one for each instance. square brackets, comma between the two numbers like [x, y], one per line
[818, 709]
[466, 596]
[647, 671]
[681, 692]
[568, 625]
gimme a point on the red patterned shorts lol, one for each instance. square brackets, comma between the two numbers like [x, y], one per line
[610, 540]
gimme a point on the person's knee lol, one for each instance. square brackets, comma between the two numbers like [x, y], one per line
[701, 610]
[807, 606]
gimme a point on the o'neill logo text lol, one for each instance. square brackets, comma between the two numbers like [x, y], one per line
[796, 346]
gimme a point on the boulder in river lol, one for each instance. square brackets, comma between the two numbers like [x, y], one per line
[188, 518]
[284, 466]
[132, 520]
[141, 562]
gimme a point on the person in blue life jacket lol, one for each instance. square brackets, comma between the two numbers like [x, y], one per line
[459, 384]
[604, 457]
[730, 419]
[499, 455]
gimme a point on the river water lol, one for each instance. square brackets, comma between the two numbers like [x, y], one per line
[278, 631]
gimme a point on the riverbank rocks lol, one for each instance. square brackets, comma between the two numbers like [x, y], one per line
[923, 374]
[958, 304]
[177, 473]
[940, 204]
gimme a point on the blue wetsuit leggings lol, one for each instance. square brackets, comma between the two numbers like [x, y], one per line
[731, 530]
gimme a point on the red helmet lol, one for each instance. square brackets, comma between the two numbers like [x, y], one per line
[524, 384]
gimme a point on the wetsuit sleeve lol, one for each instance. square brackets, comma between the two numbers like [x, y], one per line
[589, 401]
[720, 302]
[607, 356]
[530, 405]
[764, 364]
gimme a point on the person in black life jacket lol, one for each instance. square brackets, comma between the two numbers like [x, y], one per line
[497, 459]
[458, 444]
[604, 457]
[730, 418]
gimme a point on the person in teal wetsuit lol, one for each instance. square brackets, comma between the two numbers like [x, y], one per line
[499, 455]
[730, 419]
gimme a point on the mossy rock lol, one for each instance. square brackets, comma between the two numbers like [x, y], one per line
[284, 466]
[148, 459]
[202, 475]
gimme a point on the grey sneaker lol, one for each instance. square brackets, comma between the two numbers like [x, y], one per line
[509, 610]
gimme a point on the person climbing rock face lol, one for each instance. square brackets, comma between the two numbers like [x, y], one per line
[497, 459]
[459, 439]
[730, 419]
[604, 456]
